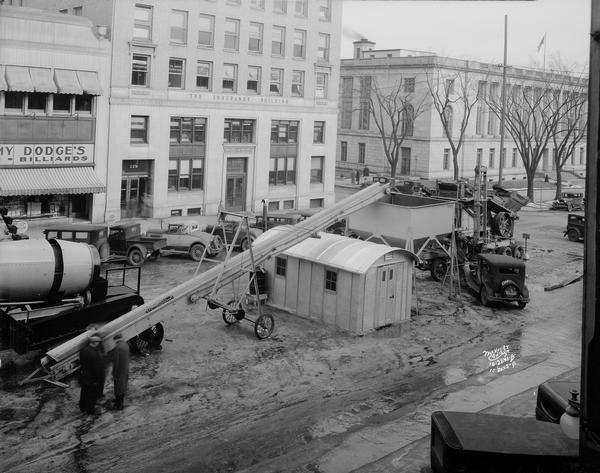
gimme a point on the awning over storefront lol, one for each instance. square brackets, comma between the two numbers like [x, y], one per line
[89, 82]
[42, 79]
[41, 181]
[18, 79]
[67, 82]
[3, 84]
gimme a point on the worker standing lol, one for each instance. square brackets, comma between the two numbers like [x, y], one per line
[92, 375]
[120, 370]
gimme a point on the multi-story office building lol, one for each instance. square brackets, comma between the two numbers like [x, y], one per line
[226, 102]
[53, 116]
[425, 151]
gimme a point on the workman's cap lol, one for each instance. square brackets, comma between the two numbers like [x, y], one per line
[95, 338]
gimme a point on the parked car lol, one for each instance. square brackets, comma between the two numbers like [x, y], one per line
[275, 219]
[121, 240]
[497, 278]
[187, 237]
[569, 200]
[227, 229]
[575, 227]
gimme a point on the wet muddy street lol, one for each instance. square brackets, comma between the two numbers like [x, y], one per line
[310, 398]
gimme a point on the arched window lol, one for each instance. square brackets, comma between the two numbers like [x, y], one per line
[408, 118]
[448, 116]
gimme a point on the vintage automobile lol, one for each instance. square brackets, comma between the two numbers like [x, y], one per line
[497, 278]
[569, 200]
[124, 240]
[277, 218]
[575, 227]
[187, 237]
[227, 228]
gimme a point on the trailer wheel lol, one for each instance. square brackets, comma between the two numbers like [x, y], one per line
[231, 317]
[263, 327]
[573, 235]
[135, 257]
[148, 339]
[438, 270]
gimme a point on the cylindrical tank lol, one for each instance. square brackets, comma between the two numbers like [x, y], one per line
[34, 270]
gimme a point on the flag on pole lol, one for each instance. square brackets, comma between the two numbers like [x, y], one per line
[541, 43]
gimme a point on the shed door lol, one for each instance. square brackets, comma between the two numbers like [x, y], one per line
[386, 295]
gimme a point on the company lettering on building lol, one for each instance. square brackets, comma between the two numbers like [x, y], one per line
[46, 154]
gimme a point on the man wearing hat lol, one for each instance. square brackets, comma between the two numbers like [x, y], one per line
[92, 374]
[120, 369]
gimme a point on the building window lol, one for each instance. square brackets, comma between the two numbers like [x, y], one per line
[179, 20]
[206, 30]
[492, 156]
[255, 37]
[581, 156]
[319, 132]
[298, 83]
[280, 6]
[37, 102]
[237, 130]
[344, 151]
[323, 48]
[253, 82]
[282, 171]
[492, 123]
[316, 203]
[330, 280]
[276, 84]
[65, 11]
[325, 10]
[204, 75]
[365, 103]
[280, 266]
[316, 169]
[299, 44]
[139, 129]
[288, 204]
[409, 85]
[408, 120]
[284, 131]
[83, 103]
[78, 11]
[321, 85]
[140, 68]
[186, 174]
[362, 151]
[278, 41]
[61, 103]
[479, 161]
[479, 120]
[258, 4]
[176, 73]
[301, 8]
[232, 33]
[514, 157]
[229, 77]
[142, 22]
[273, 205]
[346, 103]
[188, 130]
[446, 164]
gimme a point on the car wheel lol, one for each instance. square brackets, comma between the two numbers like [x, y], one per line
[438, 270]
[510, 290]
[521, 304]
[483, 297]
[196, 251]
[104, 251]
[150, 338]
[502, 224]
[135, 257]
[573, 235]
[518, 252]
[217, 244]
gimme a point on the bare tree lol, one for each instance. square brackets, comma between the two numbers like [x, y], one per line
[394, 108]
[531, 121]
[453, 95]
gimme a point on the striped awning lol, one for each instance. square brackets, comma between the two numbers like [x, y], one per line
[89, 82]
[67, 82]
[18, 79]
[42, 181]
[3, 84]
[42, 79]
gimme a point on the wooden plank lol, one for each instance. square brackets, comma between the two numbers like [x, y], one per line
[564, 282]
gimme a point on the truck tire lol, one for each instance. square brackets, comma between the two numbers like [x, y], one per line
[504, 250]
[196, 251]
[573, 235]
[518, 252]
[483, 297]
[135, 257]
[438, 270]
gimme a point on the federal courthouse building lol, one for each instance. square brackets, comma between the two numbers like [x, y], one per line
[209, 103]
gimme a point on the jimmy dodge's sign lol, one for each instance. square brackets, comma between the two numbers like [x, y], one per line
[45, 154]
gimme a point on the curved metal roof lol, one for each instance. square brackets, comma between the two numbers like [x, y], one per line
[336, 251]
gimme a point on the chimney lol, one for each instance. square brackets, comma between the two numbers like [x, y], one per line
[361, 46]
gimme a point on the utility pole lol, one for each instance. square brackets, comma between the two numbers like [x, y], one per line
[503, 111]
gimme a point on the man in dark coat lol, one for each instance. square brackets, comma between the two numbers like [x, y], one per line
[92, 375]
[120, 370]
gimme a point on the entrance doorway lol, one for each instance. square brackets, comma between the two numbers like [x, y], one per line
[387, 298]
[235, 185]
[135, 189]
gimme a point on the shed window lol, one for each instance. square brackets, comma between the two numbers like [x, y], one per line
[280, 266]
[331, 280]
[391, 274]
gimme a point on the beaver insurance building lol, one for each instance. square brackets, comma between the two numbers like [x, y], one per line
[53, 118]
[218, 101]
